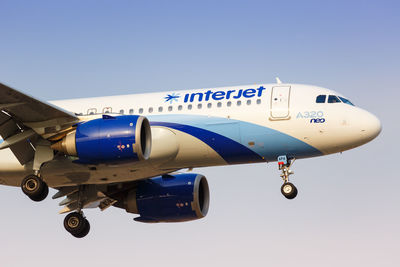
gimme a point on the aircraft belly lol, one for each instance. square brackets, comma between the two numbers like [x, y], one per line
[66, 173]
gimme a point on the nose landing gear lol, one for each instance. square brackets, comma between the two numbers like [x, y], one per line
[288, 189]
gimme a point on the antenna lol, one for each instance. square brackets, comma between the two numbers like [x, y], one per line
[278, 81]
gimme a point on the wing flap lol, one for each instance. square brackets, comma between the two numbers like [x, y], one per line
[16, 138]
[20, 114]
[4, 118]
[23, 151]
[8, 128]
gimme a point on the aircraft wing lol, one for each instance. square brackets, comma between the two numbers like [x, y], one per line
[24, 120]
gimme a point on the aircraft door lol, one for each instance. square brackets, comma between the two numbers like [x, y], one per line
[280, 97]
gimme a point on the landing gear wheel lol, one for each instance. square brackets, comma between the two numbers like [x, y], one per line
[289, 190]
[43, 195]
[34, 188]
[76, 225]
[84, 232]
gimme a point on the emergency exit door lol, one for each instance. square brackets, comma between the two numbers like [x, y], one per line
[280, 97]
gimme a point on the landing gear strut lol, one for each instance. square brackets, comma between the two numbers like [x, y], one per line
[288, 189]
[34, 187]
[76, 223]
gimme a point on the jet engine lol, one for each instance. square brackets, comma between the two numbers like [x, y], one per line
[115, 139]
[169, 198]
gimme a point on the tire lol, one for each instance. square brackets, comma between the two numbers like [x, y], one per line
[34, 188]
[84, 232]
[289, 191]
[74, 223]
[43, 195]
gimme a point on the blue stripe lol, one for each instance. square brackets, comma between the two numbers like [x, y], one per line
[231, 151]
[262, 141]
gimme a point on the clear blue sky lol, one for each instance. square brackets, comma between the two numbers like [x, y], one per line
[347, 211]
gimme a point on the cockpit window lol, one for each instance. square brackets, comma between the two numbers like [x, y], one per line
[346, 101]
[333, 99]
[321, 99]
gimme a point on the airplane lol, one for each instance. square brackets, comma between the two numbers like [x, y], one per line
[137, 152]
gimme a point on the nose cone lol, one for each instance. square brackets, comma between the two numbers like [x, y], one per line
[371, 126]
[353, 127]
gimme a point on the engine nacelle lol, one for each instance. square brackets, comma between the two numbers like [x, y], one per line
[116, 139]
[170, 198]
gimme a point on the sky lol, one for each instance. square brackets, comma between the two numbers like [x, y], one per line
[347, 210]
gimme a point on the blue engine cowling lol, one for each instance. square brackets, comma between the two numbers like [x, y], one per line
[109, 139]
[170, 198]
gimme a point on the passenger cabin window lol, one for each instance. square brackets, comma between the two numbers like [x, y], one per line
[150, 110]
[321, 99]
[140, 110]
[333, 99]
[92, 111]
[189, 106]
[160, 109]
[346, 101]
[209, 105]
[258, 101]
[180, 107]
[131, 111]
[107, 110]
[121, 111]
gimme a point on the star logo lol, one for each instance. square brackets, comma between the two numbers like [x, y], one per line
[172, 98]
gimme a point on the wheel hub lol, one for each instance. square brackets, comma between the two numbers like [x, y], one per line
[31, 185]
[76, 225]
[73, 222]
[287, 189]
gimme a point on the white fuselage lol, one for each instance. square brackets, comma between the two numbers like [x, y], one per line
[215, 126]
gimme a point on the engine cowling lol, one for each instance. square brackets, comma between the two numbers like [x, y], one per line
[120, 138]
[170, 198]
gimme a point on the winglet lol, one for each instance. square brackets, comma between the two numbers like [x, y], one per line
[278, 81]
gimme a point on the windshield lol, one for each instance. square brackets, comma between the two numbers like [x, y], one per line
[333, 99]
[346, 101]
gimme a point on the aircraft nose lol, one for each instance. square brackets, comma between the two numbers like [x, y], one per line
[371, 126]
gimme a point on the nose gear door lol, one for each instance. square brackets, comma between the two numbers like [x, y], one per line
[280, 97]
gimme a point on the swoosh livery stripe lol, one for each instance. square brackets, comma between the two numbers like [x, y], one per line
[231, 151]
[232, 138]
